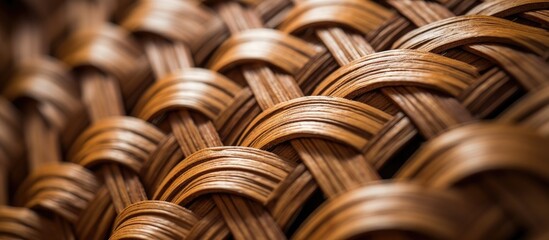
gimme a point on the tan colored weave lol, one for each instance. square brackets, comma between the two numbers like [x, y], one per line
[274, 119]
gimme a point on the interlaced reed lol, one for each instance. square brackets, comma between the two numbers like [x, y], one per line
[274, 119]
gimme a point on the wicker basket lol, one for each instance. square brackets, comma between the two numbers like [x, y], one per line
[274, 119]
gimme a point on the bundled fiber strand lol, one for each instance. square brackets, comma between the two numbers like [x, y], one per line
[274, 119]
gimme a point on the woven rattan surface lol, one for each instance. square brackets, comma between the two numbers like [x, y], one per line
[274, 119]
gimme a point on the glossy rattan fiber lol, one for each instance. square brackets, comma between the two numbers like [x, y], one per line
[274, 119]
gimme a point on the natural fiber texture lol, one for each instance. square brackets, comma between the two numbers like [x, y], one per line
[274, 119]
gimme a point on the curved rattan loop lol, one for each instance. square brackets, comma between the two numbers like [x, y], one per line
[153, 219]
[362, 16]
[263, 45]
[20, 223]
[196, 89]
[448, 159]
[397, 207]
[107, 48]
[123, 140]
[398, 68]
[236, 170]
[64, 189]
[46, 81]
[502, 8]
[437, 37]
[176, 20]
[330, 118]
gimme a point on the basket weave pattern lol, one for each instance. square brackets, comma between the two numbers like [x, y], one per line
[275, 119]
